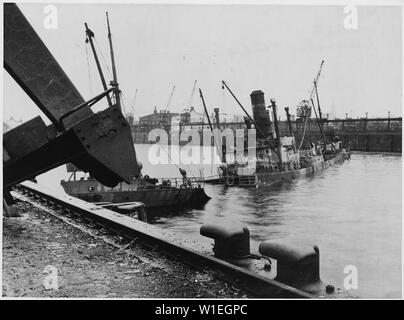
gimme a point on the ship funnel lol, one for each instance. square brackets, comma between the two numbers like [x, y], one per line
[260, 114]
[217, 119]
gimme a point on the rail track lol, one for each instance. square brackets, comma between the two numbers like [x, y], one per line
[125, 230]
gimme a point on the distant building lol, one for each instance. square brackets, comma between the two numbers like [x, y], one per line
[188, 118]
[157, 120]
[192, 116]
[175, 123]
[238, 118]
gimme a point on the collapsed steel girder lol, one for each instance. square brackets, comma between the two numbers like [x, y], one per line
[98, 143]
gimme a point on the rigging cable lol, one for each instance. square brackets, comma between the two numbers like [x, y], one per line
[130, 104]
[123, 107]
[304, 131]
[89, 73]
[313, 90]
[102, 56]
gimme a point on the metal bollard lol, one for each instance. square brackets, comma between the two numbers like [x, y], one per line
[297, 265]
[231, 241]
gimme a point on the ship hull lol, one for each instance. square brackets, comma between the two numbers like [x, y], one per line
[152, 198]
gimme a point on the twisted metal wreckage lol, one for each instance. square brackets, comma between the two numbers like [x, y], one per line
[99, 143]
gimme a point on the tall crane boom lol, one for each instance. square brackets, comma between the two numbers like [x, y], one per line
[205, 109]
[170, 98]
[224, 84]
[319, 71]
[191, 97]
[315, 89]
[315, 82]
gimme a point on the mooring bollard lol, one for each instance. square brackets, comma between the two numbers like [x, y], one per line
[297, 265]
[231, 241]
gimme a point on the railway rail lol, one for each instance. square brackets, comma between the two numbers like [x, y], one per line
[125, 230]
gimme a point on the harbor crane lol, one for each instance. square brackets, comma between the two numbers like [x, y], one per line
[134, 99]
[319, 118]
[316, 79]
[191, 97]
[170, 98]
[315, 88]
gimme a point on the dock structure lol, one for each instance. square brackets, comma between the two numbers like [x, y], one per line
[128, 229]
[365, 134]
[376, 134]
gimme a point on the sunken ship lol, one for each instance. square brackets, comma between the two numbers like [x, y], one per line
[277, 158]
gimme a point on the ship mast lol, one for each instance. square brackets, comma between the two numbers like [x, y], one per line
[114, 83]
[278, 136]
[318, 122]
[223, 156]
[206, 110]
[318, 102]
[90, 36]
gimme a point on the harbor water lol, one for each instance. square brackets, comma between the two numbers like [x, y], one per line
[352, 212]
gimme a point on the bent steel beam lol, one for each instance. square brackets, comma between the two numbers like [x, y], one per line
[33, 67]
[98, 143]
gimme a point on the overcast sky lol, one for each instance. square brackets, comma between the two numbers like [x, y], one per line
[277, 49]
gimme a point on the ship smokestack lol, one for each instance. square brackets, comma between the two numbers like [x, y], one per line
[217, 119]
[260, 114]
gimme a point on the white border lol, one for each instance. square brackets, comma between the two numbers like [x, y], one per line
[206, 2]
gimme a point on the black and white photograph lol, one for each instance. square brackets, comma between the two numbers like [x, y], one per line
[227, 150]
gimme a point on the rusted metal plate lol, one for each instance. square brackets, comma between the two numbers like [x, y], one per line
[33, 67]
[110, 153]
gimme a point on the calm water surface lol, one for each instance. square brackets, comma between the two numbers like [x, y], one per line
[351, 211]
